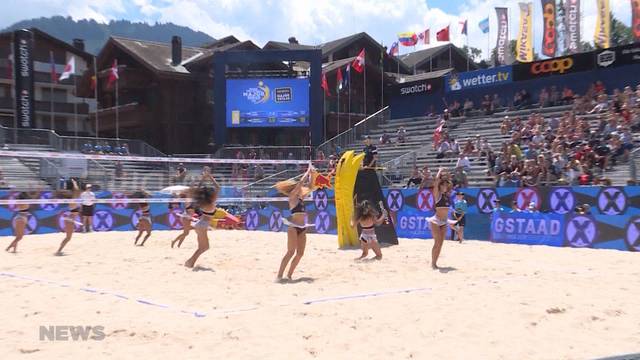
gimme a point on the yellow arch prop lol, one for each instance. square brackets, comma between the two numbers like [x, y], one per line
[345, 180]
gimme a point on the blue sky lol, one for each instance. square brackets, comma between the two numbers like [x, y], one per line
[310, 21]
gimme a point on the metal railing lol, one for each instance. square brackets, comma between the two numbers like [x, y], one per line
[633, 165]
[72, 143]
[356, 132]
[394, 169]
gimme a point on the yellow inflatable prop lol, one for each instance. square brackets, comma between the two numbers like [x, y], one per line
[345, 180]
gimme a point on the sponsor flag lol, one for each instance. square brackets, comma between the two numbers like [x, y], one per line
[502, 40]
[602, 37]
[69, 69]
[572, 26]
[549, 43]
[524, 45]
[54, 75]
[408, 38]
[325, 85]
[10, 66]
[339, 79]
[464, 27]
[94, 82]
[635, 19]
[113, 73]
[358, 63]
[347, 79]
[484, 25]
[443, 35]
[394, 50]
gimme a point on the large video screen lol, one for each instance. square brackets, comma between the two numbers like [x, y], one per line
[268, 102]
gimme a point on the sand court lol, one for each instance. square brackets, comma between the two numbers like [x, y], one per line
[490, 301]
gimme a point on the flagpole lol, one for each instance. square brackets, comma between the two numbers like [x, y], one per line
[95, 92]
[53, 65]
[117, 110]
[468, 49]
[51, 101]
[324, 112]
[338, 112]
[349, 95]
[75, 106]
[364, 82]
[382, 78]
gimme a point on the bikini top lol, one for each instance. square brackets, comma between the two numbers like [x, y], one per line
[443, 201]
[368, 227]
[145, 209]
[299, 208]
[206, 213]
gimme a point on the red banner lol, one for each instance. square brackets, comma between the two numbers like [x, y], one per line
[635, 19]
[549, 40]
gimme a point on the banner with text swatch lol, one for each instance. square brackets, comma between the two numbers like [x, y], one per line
[572, 26]
[503, 54]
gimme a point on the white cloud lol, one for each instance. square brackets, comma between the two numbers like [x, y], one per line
[310, 21]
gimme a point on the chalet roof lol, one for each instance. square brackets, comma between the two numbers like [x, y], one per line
[423, 76]
[419, 58]
[287, 46]
[63, 44]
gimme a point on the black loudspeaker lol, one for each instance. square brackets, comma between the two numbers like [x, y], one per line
[368, 188]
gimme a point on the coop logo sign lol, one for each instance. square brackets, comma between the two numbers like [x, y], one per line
[552, 66]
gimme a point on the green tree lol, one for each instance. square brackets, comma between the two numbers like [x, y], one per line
[473, 53]
[620, 33]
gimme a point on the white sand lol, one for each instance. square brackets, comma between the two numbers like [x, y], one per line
[495, 302]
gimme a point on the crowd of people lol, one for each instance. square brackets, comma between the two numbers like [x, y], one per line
[105, 149]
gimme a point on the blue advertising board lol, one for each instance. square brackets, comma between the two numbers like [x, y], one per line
[528, 228]
[480, 78]
[267, 102]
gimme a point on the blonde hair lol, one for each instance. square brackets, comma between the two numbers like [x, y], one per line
[286, 187]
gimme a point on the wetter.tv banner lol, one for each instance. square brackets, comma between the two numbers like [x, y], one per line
[267, 102]
[480, 78]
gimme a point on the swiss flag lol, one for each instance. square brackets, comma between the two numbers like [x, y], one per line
[443, 35]
[358, 63]
[325, 85]
[113, 73]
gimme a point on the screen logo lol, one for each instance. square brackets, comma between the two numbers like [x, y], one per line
[552, 66]
[259, 94]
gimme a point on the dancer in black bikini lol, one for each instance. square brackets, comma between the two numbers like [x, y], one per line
[205, 198]
[20, 222]
[296, 234]
[144, 221]
[71, 217]
[368, 218]
[440, 220]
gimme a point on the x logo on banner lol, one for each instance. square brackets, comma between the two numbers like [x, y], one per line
[524, 198]
[395, 200]
[47, 207]
[425, 200]
[562, 201]
[580, 237]
[486, 201]
[175, 221]
[102, 221]
[275, 222]
[612, 201]
[323, 221]
[321, 199]
[252, 220]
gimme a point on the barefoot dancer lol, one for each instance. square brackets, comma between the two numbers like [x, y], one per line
[441, 191]
[185, 217]
[144, 222]
[296, 234]
[205, 198]
[71, 217]
[368, 217]
[20, 221]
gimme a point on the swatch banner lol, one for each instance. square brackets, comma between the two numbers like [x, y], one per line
[502, 42]
[23, 73]
[572, 26]
[635, 19]
[602, 37]
[524, 46]
[549, 43]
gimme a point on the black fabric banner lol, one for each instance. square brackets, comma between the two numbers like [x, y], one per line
[572, 26]
[420, 87]
[555, 66]
[367, 187]
[502, 43]
[618, 56]
[23, 74]
[549, 17]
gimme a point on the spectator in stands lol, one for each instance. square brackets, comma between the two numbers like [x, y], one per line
[599, 88]
[258, 172]
[385, 138]
[486, 105]
[2, 181]
[543, 98]
[505, 127]
[496, 103]
[402, 135]
[181, 173]
[333, 163]
[468, 148]
[125, 149]
[554, 96]
[463, 162]
[320, 156]
[370, 153]
[567, 96]
[415, 177]
[443, 149]
[119, 170]
[455, 109]
[468, 107]
[460, 179]
[602, 104]
[446, 116]
[427, 178]
[455, 147]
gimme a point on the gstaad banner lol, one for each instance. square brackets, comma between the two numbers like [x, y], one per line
[618, 56]
[555, 66]
[480, 78]
[420, 87]
[23, 74]
[528, 228]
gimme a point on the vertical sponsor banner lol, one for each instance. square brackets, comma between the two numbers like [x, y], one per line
[502, 41]
[524, 46]
[23, 73]
[602, 37]
[635, 19]
[549, 17]
[572, 26]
